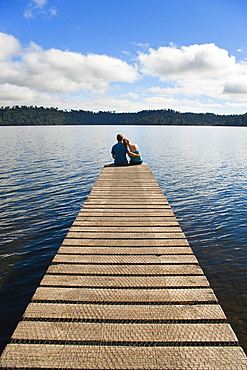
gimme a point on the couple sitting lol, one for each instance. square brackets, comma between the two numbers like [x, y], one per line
[122, 148]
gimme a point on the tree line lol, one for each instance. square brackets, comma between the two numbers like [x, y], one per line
[36, 116]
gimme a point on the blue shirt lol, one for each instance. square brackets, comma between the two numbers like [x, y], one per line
[119, 152]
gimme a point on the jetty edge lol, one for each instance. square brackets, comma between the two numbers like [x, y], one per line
[124, 291]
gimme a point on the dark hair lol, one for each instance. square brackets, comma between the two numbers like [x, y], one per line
[119, 137]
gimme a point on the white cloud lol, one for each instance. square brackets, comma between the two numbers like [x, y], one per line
[131, 95]
[14, 95]
[40, 3]
[197, 78]
[9, 46]
[19, 95]
[28, 14]
[52, 11]
[39, 7]
[62, 72]
[236, 87]
[196, 70]
[141, 45]
[127, 53]
[206, 60]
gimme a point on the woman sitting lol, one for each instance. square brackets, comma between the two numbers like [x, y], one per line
[137, 159]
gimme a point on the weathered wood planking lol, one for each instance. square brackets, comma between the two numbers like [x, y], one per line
[124, 291]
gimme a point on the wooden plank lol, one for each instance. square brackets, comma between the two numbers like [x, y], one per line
[129, 259]
[126, 211]
[123, 221]
[124, 250]
[124, 291]
[113, 201]
[123, 312]
[125, 229]
[107, 222]
[123, 270]
[124, 235]
[124, 333]
[21, 356]
[116, 296]
[126, 242]
[124, 281]
[127, 207]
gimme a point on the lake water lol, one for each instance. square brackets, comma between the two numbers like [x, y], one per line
[47, 172]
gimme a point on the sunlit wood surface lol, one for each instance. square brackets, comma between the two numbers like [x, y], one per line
[124, 291]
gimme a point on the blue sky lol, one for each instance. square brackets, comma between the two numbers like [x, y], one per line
[125, 55]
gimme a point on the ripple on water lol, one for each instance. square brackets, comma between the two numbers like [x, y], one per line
[47, 172]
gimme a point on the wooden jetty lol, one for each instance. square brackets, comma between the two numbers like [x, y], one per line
[124, 291]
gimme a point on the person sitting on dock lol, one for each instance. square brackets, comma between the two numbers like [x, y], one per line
[134, 159]
[119, 152]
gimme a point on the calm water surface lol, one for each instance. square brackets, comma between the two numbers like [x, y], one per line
[47, 172]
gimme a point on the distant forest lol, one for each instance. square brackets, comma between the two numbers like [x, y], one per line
[35, 116]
